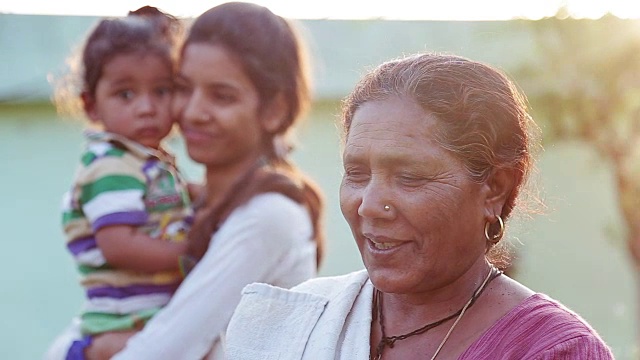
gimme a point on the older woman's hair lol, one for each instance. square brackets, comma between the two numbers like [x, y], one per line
[482, 116]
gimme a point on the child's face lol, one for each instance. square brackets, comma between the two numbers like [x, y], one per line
[133, 98]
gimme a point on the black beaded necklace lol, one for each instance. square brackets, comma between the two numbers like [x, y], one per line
[390, 340]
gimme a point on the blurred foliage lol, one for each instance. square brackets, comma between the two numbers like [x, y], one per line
[584, 84]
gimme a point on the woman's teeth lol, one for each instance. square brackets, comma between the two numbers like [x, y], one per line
[383, 246]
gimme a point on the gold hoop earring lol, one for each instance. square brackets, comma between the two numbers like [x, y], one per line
[494, 239]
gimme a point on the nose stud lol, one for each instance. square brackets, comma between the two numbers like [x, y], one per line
[387, 208]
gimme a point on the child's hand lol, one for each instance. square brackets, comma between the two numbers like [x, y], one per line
[105, 346]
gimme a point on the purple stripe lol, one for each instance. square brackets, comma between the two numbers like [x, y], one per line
[134, 218]
[149, 164]
[133, 290]
[82, 245]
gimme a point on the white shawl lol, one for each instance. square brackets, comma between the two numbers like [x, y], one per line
[323, 318]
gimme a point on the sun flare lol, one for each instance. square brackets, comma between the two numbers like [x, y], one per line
[355, 9]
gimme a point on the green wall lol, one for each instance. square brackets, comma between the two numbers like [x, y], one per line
[573, 252]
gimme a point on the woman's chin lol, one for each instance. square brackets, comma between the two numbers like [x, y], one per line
[388, 280]
[199, 156]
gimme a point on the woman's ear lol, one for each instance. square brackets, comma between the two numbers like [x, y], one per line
[498, 187]
[89, 106]
[274, 114]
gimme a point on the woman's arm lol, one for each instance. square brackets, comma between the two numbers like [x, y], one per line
[249, 247]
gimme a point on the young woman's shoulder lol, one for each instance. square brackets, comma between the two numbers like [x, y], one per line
[268, 222]
[276, 209]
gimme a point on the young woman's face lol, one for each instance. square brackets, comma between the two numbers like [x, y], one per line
[217, 107]
[133, 98]
[416, 215]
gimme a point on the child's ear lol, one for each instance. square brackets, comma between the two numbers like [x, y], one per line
[274, 114]
[89, 106]
[498, 188]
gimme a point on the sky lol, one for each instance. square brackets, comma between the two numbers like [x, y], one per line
[347, 9]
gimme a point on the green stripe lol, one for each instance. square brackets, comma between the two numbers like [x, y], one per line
[97, 323]
[115, 152]
[108, 184]
[86, 269]
[88, 158]
[71, 215]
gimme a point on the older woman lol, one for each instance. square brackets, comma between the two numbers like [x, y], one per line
[437, 149]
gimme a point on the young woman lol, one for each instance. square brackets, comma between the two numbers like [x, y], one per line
[241, 86]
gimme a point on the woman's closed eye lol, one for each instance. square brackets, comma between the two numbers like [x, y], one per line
[356, 175]
[412, 180]
[223, 96]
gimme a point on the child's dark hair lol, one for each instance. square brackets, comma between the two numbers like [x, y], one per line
[147, 30]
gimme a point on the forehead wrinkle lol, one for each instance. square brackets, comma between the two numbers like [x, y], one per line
[395, 131]
[387, 156]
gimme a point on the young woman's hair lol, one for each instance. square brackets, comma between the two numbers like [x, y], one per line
[272, 55]
[147, 30]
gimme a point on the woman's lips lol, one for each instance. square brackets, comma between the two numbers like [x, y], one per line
[196, 136]
[383, 243]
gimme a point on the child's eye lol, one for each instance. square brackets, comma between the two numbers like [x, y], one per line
[125, 94]
[164, 90]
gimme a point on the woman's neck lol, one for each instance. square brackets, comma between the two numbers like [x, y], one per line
[220, 179]
[437, 303]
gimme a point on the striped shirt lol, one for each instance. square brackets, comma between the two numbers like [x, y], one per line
[120, 182]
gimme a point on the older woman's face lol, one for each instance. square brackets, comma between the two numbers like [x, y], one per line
[216, 105]
[432, 232]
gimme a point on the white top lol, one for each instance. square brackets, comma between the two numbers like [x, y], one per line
[268, 240]
[321, 319]
[330, 319]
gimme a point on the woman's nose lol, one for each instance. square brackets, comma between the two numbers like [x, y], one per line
[376, 201]
[195, 108]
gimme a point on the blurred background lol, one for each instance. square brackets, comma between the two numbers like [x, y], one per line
[579, 64]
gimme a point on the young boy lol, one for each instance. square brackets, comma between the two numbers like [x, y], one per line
[128, 210]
